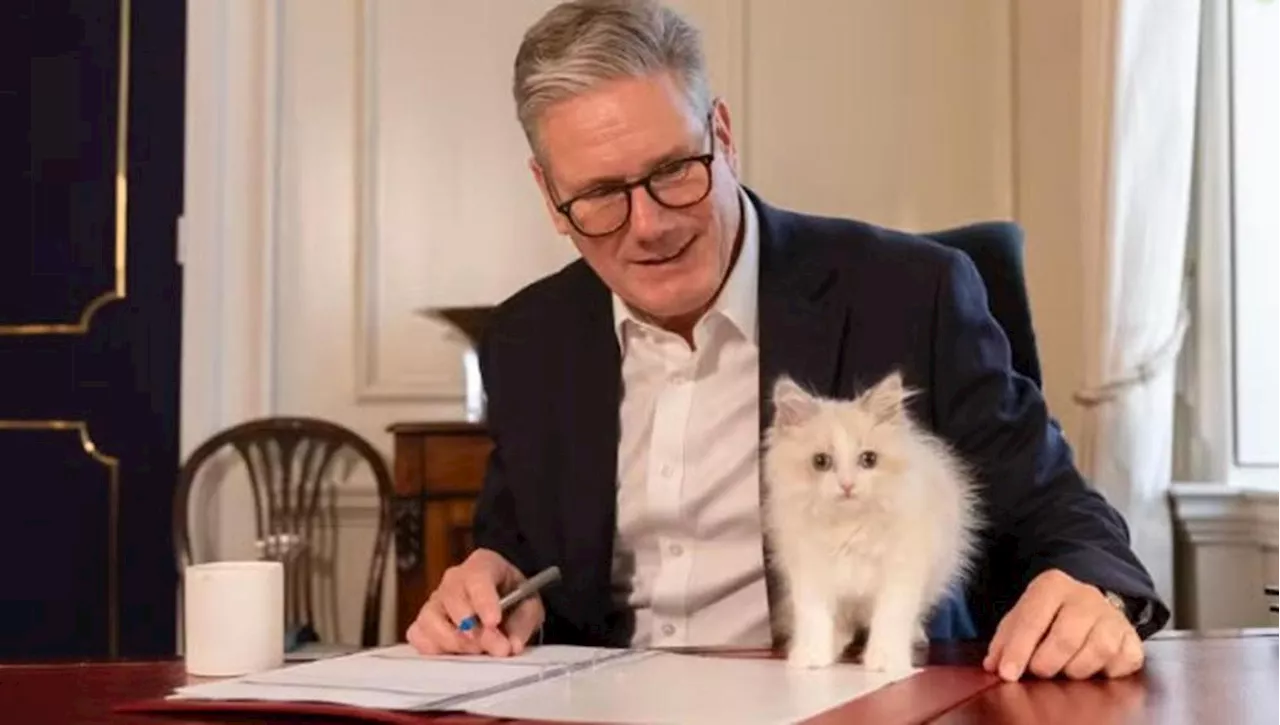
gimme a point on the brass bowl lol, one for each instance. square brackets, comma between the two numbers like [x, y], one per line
[471, 322]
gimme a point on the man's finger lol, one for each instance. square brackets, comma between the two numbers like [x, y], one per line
[1039, 605]
[439, 622]
[1103, 644]
[1007, 623]
[420, 641]
[483, 596]
[1067, 636]
[494, 641]
[523, 621]
[1011, 623]
[454, 604]
[1130, 657]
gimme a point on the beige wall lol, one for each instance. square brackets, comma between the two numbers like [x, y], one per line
[1052, 196]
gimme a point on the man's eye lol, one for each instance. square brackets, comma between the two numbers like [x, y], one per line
[599, 192]
[672, 172]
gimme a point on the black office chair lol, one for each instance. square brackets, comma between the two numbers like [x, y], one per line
[996, 250]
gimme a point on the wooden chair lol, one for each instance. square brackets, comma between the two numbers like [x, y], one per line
[289, 462]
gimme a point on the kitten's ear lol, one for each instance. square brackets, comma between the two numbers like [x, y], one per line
[792, 404]
[887, 399]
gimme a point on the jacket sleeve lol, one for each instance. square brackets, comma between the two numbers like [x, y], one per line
[495, 525]
[1040, 512]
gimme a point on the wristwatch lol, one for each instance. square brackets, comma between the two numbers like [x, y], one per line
[1117, 601]
[1129, 607]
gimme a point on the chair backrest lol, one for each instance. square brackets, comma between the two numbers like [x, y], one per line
[289, 461]
[996, 249]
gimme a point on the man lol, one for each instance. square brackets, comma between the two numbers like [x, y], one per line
[625, 391]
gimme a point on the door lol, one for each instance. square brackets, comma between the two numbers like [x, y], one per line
[89, 328]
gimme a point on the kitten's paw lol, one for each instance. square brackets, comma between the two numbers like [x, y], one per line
[808, 656]
[921, 637]
[891, 659]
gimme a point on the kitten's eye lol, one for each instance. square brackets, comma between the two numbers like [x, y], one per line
[867, 459]
[821, 462]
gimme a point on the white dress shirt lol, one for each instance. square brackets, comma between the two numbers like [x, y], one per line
[688, 555]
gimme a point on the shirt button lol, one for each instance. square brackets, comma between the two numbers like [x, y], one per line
[666, 470]
[668, 629]
[675, 549]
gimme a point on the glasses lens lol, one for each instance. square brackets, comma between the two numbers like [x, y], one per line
[598, 215]
[683, 184]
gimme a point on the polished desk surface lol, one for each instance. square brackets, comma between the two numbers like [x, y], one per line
[1190, 677]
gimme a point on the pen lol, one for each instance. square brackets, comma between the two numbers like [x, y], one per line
[528, 588]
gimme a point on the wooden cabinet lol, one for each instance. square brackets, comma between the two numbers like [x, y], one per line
[439, 468]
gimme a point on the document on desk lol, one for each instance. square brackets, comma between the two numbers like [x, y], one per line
[560, 683]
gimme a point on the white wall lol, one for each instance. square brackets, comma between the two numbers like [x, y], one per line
[351, 161]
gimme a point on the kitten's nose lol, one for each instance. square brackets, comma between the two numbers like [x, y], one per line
[847, 488]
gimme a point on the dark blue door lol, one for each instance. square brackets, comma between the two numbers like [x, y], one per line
[90, 326]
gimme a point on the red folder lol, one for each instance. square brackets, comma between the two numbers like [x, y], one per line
[917, 699]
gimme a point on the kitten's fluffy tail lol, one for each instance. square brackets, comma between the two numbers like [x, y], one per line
[954, 498]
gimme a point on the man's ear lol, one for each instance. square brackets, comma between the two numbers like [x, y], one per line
[886, 400]
[540, 176]
[792, 405]
[723, 135]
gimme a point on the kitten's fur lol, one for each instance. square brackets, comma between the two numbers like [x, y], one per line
[879, 557]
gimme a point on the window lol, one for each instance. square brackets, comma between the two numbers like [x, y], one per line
[1255, 183]
[1228, 417]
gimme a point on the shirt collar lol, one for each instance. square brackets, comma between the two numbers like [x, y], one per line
[737, 300]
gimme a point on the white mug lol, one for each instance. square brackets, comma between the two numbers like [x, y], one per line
[233, 617]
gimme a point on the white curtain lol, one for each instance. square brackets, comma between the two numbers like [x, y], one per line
[1203, 434]
[1135, 310]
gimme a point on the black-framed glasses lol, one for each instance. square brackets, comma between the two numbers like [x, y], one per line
[677, 184]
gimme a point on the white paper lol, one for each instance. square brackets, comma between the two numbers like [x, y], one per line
[552, 654]
[678, 688]
[399, 678]
[561, 683]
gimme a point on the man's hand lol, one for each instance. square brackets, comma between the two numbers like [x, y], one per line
[472, 588]
[1061, 625]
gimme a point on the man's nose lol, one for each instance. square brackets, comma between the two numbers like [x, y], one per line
[647, 215]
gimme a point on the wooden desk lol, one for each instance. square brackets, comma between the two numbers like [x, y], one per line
[1190, 677]
[1215, 677]
[439, 468]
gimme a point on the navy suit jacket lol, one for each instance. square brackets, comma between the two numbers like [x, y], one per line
[841, 304]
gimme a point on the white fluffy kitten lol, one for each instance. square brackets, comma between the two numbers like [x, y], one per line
[871, 519]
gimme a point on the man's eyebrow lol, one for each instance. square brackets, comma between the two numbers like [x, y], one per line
[601, 182]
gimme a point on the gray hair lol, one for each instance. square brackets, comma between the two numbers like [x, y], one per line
[579, 44]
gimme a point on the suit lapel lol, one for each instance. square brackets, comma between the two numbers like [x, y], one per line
[802, 326]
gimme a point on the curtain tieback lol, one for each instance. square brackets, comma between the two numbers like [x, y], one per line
[1163, 357]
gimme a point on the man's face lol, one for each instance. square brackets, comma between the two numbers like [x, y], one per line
[668, 263]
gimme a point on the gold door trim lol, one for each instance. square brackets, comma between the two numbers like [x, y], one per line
[112, 464]
[118, 290]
